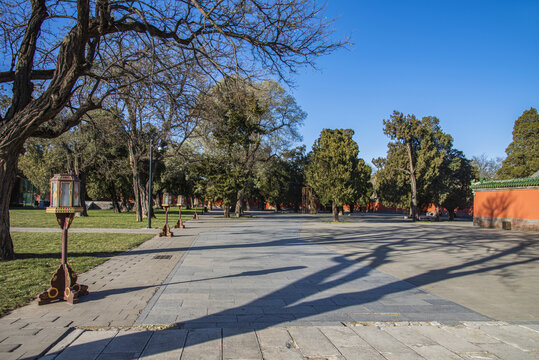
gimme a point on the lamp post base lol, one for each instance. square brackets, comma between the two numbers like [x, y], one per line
[63, 287]
[179, 225]
[166, 231]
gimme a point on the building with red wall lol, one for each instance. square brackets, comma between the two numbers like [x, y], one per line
[507, 204]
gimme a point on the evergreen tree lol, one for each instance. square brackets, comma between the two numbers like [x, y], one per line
[523, 153]
[421, 167]
[423, 145]
[334, 171]
[280, 180]
[456, 176]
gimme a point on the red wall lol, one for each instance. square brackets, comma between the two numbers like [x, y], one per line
[510, 203]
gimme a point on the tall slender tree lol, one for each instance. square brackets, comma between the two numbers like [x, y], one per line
[405, 130]
[422, 165]
[425, 146]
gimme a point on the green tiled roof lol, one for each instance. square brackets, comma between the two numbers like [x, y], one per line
[486, 184]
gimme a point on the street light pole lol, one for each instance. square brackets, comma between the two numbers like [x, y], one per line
[150, 190]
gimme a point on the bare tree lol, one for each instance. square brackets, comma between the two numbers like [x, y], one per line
[487, 167]
[53, 50]
[153, 100]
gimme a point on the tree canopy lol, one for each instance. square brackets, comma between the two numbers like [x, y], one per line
[334, 170]
[421, 167]
[523, 152]
[243, 124]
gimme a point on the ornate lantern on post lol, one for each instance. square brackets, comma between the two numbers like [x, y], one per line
[180, 203]
[195, 204]
[65, 202]
[166, 203]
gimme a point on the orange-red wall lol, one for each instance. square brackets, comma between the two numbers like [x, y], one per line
[512, 204]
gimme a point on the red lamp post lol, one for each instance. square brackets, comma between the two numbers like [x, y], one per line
[195, 204]
[180, 203]
[166, 203]
[65, 202]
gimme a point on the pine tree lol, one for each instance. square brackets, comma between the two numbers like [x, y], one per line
[334, 171]
[523, 153]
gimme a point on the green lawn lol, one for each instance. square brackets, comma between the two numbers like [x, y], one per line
[38, 256]
[97, 219]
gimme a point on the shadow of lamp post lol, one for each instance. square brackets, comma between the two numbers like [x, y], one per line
[179, 224]
[65, 202]
[166, 203]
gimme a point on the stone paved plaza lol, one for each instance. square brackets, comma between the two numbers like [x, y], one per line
[285, 286]
[260, 273]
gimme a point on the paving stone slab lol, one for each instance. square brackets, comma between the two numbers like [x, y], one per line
[448, 340]
[384, 343]
[517, 336]
[313, 343]
[506, 351]
[240, 344]
[349, 344]
[277, 344]
[165, 345]
[88, 345]
[422, 345]
[203, 344]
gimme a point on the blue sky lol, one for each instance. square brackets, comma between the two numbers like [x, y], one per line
[473, 64]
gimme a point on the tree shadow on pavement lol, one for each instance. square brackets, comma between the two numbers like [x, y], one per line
[301, 299]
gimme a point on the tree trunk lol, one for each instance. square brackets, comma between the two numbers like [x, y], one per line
[83, 176]
[277, 207]
[136, 192]
[157, 200]
[226, 210]
[335, 211]
[125, 204]
[143, 194]
[135, 175]
[436, 212]
[413, 183]
[114, 197]
[239, 203]
[451, 214]
[8, 172]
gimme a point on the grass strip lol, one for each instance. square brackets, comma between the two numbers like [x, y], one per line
[107, 219]
[38, 256]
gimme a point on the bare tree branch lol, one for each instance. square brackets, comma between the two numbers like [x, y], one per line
[9, 76]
